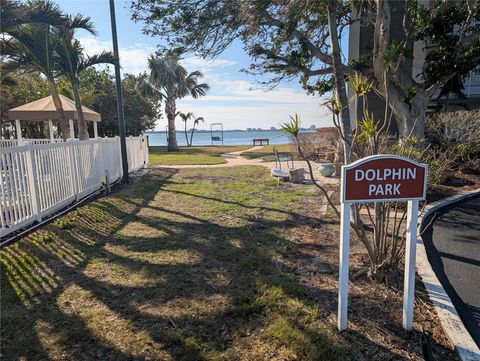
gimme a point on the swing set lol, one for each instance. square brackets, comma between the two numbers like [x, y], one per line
[216, 128]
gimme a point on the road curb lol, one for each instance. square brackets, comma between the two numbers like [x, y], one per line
[466, 348]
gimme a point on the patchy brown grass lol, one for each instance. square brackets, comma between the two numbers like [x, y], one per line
[205, 264]
[266, 153]
[192, 155]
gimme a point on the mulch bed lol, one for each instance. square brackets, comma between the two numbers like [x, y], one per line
[375, 310]
[460, 182]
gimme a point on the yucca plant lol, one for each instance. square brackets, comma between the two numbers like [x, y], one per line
[292, 128]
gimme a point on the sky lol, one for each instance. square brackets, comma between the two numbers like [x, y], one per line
[235, 98]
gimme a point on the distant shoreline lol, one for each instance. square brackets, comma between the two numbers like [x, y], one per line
[228, 131]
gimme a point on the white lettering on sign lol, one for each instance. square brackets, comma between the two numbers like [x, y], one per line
[384, 189]
[385, 174]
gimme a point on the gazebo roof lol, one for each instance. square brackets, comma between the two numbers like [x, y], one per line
[44, 109]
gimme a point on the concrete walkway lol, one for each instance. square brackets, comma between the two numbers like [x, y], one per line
[235, 159]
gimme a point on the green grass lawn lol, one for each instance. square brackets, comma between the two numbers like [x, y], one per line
[266, 153]
[192, 155]
[195, 264]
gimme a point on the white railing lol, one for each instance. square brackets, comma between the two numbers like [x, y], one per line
[36, 180]
[14, 142]
[8, 142]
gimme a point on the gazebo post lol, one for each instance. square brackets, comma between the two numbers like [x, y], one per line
[72, 128]
[95, 130]
[18, 128]
[50, 129]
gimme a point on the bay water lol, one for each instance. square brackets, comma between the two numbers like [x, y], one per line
[230, 137]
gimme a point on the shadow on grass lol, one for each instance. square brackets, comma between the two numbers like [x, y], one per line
[144, 275]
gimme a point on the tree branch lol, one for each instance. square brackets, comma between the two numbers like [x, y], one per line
[316, 52]
[288, 65]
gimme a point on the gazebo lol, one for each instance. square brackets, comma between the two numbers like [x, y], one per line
[44, 110]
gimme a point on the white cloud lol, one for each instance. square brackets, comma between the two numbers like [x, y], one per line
[262, 116]
[235, 102]
[239, 104]
[133, 58]
[197, 63]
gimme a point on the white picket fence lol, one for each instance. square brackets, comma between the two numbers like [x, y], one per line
[14, 142]
[37, 180]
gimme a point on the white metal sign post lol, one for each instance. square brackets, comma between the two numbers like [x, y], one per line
[381, 178]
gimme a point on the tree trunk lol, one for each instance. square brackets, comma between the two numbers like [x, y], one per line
[410, 117]
[82, 126]
[170, 109]
[63, 122]
[191, 134]
[340, 82]
[186, 134]
[415, 124]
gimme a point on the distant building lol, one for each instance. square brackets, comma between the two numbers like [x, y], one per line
[463, 95]
[273, 128]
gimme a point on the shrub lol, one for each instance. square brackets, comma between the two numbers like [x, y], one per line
[456, 136]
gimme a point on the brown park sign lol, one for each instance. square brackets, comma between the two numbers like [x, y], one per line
[382, 178]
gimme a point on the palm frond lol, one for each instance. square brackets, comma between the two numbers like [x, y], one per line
[186, 116]
[199, 90]
[198, 120]
[68, 56]
[14, 14]
[149, 91]
[169, 76]
[102, 58]
[80, 21]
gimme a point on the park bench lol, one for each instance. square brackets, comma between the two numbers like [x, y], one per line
[260, 141]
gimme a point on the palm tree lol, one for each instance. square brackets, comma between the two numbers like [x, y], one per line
[170, 81]
[31, 46]
[14, 14]
[196, 121]
[33, 50]
[71, 61]
[185, 118]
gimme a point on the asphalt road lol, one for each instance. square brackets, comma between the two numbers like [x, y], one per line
[453, 247]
